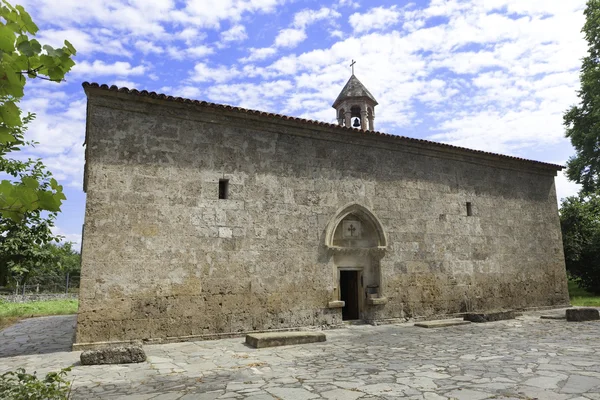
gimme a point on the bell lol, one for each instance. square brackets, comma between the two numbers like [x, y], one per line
[356, 123]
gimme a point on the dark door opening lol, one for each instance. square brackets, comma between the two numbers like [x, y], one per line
[349, 294]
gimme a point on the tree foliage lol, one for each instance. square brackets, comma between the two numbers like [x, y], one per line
[23, 241]
[22, 58]
[582, 122]
[580, 225]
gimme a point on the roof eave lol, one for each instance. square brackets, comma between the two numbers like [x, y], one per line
[124, 92]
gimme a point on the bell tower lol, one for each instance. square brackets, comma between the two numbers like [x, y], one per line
[355, 106]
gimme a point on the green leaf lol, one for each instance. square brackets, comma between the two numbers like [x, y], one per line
[31, 183]
[47, 61]
[36, 46]
[56, 73]
[6, 136]
[51, 51]
[10, 114]
[13, 26]
[7, 39]
[30, 26]
[10, 15]
[25, 48]
[70, 47]
[19, 62]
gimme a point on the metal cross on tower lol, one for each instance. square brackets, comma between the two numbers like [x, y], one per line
[352, 65]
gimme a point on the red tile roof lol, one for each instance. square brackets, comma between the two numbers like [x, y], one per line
[154, 95]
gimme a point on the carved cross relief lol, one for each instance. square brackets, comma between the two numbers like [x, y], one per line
[351, 229]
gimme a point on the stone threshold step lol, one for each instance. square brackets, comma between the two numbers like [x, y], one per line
[272, 339]
[490, 316]
[553, 316]
[442, 323]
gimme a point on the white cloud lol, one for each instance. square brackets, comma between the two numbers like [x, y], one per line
[349, 3]
[290, 37]
[74, 238]
[58, 126]
[147, 47]
[235, 34]
[203, 73]
[509, 79]
[190, 36]
[185, 91]
[336, 33]
[254, 96]
[123, 83]
[209, 13]
[195, 52]
[259, 54]
[375, 19]
[199, 51]
[305, 18]
[100, 68]
[84, 42]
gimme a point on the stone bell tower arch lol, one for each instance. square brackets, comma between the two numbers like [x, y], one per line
[355, 105]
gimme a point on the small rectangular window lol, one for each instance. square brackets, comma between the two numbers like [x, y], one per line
[223, 188]
[469, 209]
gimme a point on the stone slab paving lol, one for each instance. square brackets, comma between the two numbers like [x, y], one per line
[38, 336]
[525, 358]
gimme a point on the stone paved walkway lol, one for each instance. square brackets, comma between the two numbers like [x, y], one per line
[38, 336]
[527, 358]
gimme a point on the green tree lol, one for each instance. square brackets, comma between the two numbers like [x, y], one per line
[23, 58]
[63, 258]
[580, 226]
[582, 121]
[24, 242]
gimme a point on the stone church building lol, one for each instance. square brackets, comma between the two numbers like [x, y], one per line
[205, 220]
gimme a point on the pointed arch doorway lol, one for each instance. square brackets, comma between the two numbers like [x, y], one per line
[357, 241]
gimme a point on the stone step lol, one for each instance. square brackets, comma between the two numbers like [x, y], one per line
[490, 316]
[553, 316]
[583, 314]
[442, 323]
[272, 339]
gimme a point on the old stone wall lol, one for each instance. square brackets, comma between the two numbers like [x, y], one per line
[164, 257]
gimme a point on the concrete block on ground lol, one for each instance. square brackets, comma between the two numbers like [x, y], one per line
[490, 316]
[272, 339]
[114, 355]
[583, 314]
[442, 323]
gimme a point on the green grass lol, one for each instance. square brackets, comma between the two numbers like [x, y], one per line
[579, 297]
[12, 312]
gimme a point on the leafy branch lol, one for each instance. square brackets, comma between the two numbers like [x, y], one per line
[22, 58]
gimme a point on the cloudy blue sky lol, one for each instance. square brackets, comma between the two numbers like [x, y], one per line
[494, 75]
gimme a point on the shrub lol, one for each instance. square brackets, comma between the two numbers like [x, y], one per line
[580, 225]
[19, 385]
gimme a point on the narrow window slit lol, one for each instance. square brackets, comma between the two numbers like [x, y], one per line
[469, 209]
[223, 188]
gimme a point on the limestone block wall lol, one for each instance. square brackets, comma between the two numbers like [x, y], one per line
[164, 257]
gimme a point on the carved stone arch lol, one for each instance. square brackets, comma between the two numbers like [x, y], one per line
[357, 242]
[366, 216]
